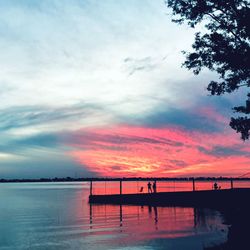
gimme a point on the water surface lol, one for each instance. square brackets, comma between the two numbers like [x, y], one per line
[58, 216]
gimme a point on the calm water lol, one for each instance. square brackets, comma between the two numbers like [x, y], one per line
[58, 216]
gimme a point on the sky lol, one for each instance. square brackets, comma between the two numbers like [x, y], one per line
[96, 88]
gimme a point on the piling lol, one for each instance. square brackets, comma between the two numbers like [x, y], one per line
[120, 187]
[91, 187]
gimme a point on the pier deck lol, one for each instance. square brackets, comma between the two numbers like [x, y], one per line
[205, 198]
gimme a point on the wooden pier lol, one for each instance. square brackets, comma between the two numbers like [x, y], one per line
[204, 198]
[231, 196]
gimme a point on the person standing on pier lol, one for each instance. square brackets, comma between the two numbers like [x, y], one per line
[149, 187]
[154, 186]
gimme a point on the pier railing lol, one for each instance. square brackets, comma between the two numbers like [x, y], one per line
[128, 186]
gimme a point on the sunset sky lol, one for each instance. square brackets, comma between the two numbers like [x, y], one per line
[96, 88]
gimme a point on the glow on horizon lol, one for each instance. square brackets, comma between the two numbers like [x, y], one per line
[169, 151]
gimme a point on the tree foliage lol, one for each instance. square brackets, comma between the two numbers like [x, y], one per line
[224, 48]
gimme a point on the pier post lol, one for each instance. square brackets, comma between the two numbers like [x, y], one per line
[232, 184]
[120, 215]
[193, 184]
[120, 187]
[91, 187]
[90, 216]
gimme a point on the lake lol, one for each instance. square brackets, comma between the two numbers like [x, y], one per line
[58, 216]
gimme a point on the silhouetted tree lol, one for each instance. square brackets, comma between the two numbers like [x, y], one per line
[224, 48]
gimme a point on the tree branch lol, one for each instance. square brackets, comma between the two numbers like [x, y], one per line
[223, 25]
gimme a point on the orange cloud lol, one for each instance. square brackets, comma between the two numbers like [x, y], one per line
[139, 151]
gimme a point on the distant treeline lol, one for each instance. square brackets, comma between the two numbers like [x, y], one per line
[70, 179]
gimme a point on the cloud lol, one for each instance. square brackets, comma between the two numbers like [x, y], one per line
[148, 63]
[221, 151]
[179, 163]
[21, 146]
[90, 138]
[39, 156]
[50, 53]
[43, 165]
[200, 117]
[31, 116]
[184, 118]
[125, 150]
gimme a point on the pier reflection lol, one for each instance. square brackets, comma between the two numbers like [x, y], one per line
[151, 222]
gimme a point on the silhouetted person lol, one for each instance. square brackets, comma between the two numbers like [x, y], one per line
[149, 187]
[215, 186]
[154, 186]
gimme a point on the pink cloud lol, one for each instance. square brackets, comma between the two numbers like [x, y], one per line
[124, 150]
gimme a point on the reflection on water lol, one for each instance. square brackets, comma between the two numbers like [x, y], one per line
[156, 222]
[58, 216]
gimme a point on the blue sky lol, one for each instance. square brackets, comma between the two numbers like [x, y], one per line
[70, 66]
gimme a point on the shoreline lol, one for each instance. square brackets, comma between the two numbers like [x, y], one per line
[97, 179]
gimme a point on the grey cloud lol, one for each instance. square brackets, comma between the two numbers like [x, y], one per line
[172, 143]
[84, 138]
[222, 151]
[116, 167]
[183, 118]
[44, 165]
[25, 116]
[188, 118]
[42, 155]
[179, 163]
[19, 146]
[134, 64]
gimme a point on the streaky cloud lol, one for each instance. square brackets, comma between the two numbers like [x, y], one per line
[28, 116]
[136, 150]
[228, 151]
